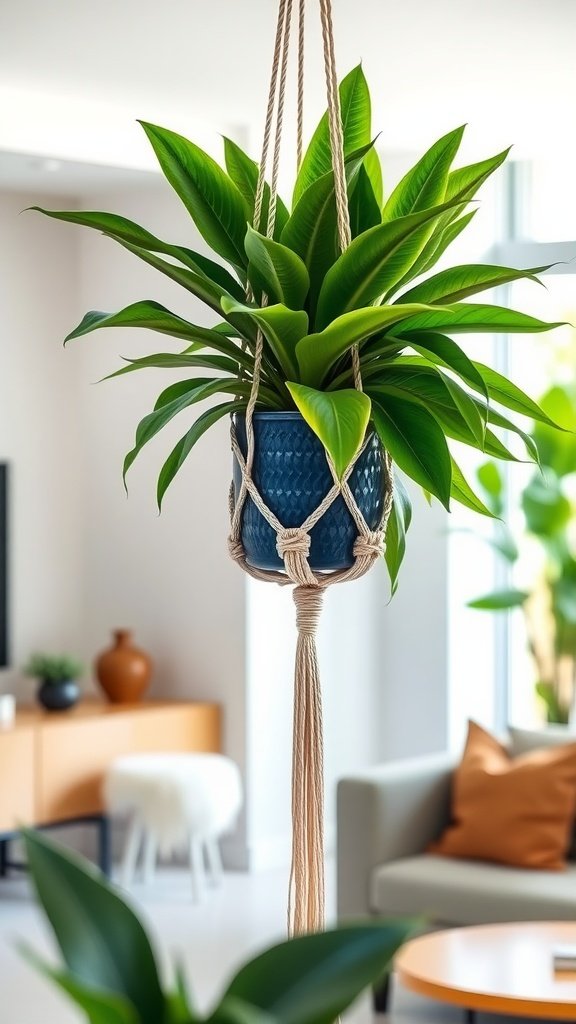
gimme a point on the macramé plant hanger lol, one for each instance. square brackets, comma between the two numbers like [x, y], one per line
[333, 362]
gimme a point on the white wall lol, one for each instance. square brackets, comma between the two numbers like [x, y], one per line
[39, 413]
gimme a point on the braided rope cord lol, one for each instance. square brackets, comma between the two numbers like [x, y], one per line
[306, 889]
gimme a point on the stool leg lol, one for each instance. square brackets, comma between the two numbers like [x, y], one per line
[196, 868]
[150, 853]
[131, 850]
[214, 860]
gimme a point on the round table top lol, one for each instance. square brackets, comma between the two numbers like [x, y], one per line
[506, 968]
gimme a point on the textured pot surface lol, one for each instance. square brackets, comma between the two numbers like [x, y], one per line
[292, 475]
[58, 696]
[123, 671]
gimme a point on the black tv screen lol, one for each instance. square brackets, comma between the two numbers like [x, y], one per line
[4, 653]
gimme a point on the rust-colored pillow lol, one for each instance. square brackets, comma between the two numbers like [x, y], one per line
[516, 811]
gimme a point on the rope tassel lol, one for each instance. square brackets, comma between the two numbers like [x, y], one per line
[307, 897]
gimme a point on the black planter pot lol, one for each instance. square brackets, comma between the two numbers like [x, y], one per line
[292, 475]
[58, 696]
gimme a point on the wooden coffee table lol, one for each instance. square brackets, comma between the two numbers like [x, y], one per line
[501, 968]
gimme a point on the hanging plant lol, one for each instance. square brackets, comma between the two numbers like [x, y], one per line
[421, 390]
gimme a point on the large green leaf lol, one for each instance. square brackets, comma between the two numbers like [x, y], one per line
[311, 230]
[415, 441]
[464, 182]
[442, 237]
[244, 173]
[120, 229]
[446, 352]
[396, 530]
[180, 453]
[210, 196]
[462, 492]
[458, 283]
[363, 206]
[429, 388]
[475, 317]
[339, 419]
[152, 316]
[546, 509]
[372, 263]
[317, 353]
[102, 941]
[510, 396]
[282, 327]
[314, 978]
[500, 600]
[182, 361]
[277, 271]
[173, 401]
[356, 128]
[491, 480]
[100, 1007]
[425, 184]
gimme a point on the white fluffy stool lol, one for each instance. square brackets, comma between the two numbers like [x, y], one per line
[174, 801]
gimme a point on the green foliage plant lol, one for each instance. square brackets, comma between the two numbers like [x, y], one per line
[421, 390]
[548, 503]
[53, 668]
[110, 968]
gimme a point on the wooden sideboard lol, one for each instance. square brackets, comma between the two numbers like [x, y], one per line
[52, 763]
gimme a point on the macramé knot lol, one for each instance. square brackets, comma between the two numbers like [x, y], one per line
[308, 601]
[294, 540]
[369, 545]
[236, 549]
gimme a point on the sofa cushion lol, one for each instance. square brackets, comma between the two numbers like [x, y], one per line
[516, 811]
[453, 891]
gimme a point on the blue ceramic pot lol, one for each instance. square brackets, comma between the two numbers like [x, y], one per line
[292, 475]
[58, 696]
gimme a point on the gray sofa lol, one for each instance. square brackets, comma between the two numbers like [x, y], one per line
[386, 818]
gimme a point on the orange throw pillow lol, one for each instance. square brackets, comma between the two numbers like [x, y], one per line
[516, 811]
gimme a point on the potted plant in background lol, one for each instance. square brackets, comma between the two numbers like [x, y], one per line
[111, 970]
[58, 678]
[543, 551]
[421, 390]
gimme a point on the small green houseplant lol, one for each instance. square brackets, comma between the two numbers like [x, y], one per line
[548, 541]
[111, 971]
[420, 391]
[58, 678]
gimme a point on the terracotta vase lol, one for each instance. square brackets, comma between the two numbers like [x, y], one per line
[123, 671]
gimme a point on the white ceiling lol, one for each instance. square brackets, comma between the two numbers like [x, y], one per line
[504, 66]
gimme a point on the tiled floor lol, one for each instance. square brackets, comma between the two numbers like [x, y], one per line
[211, 940]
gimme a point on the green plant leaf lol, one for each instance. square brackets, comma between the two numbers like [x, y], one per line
[464, 182]
[183, 361]
[355, 109]
[282, 327]
[446, 352]
[558, 448]
[102, 941]
[546, 509]
[441, 238]
[120, 229]
[180, 453]
[457, 283]
[210, 196]
[311, 231]
[244, 173]
[363, 206]
[276, 270]
[372, 263]
[339, 419]
[154, 317]
[425, 184]
[396, 530]
[99, 1007]
[317, 353]
[416, 443]
[174, 400]
[474, 317]
[555, 713]
[500, 600]
[491, 480]
[314, 978]
[510, 396]
[462, 492]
